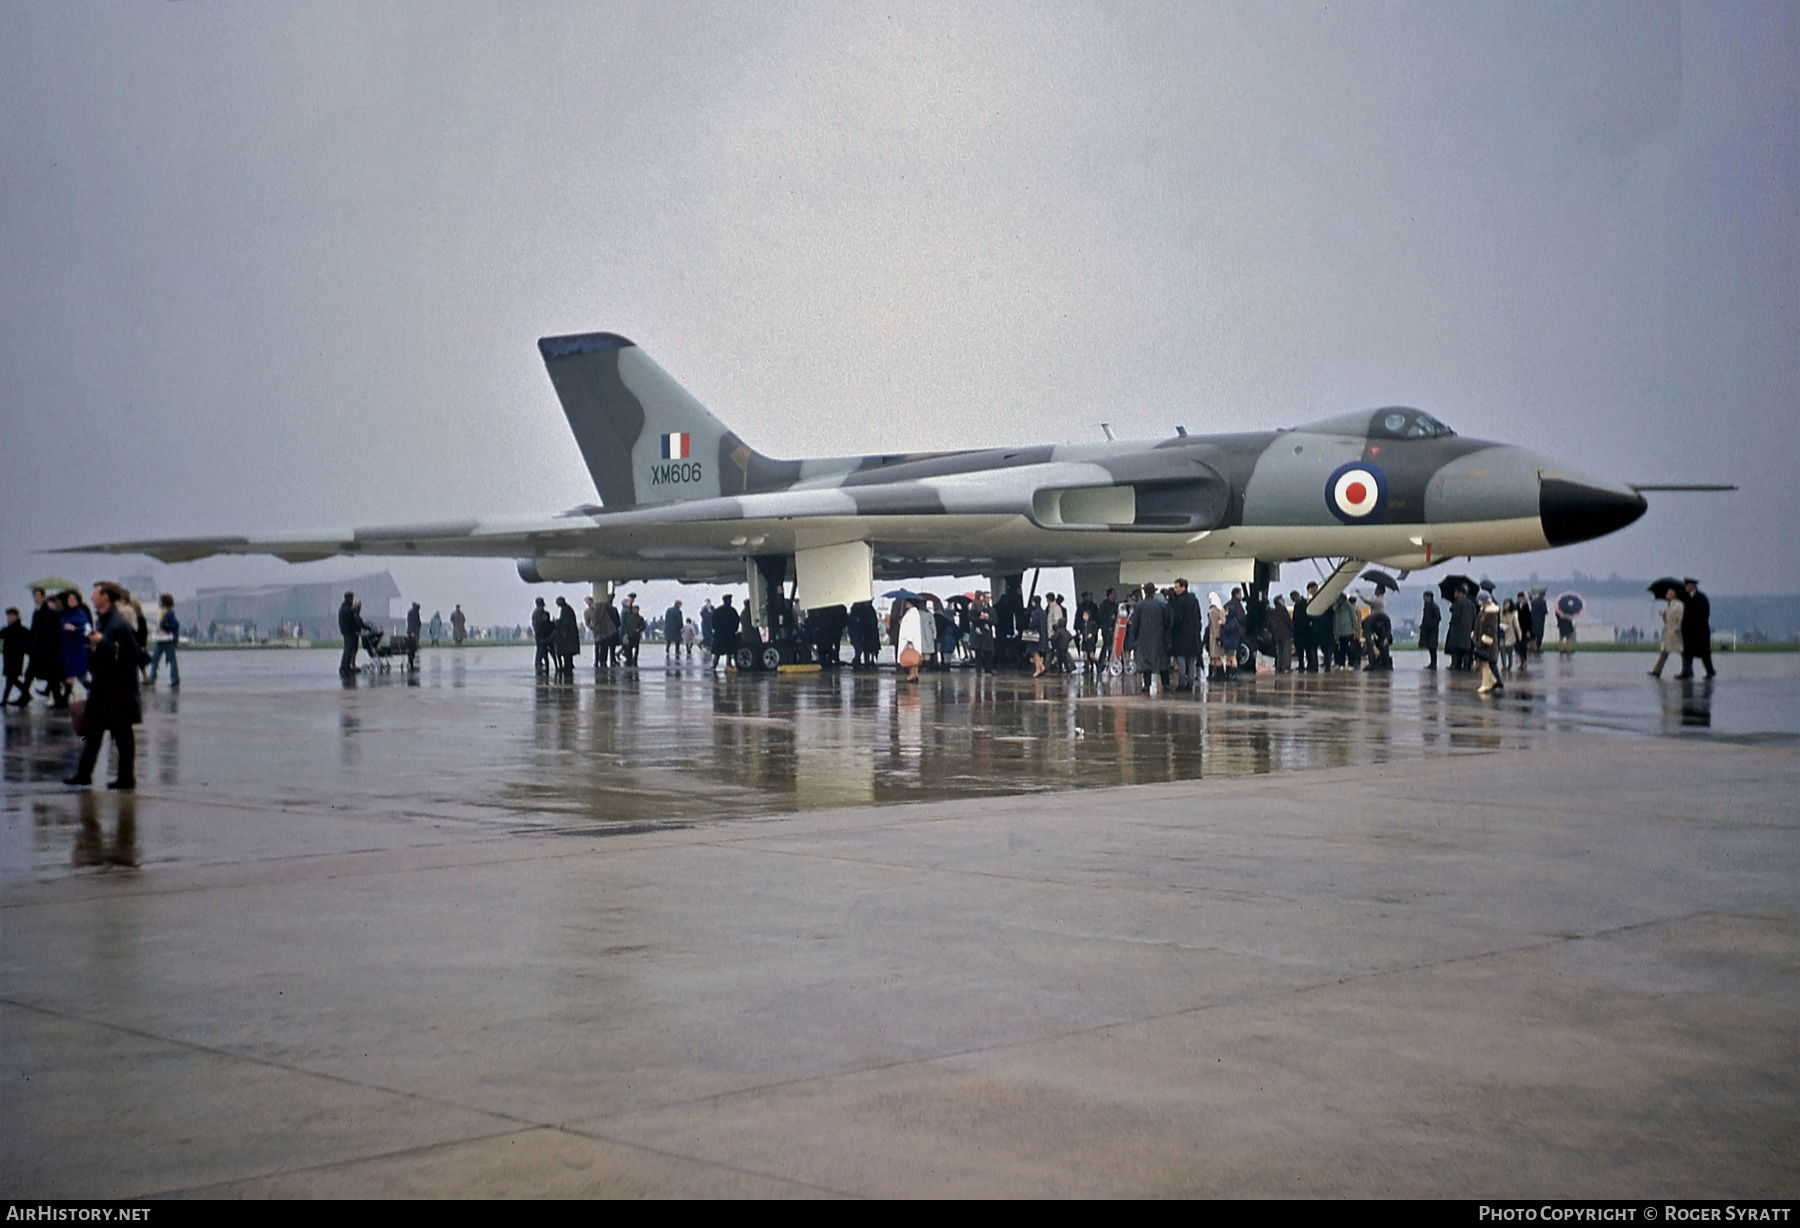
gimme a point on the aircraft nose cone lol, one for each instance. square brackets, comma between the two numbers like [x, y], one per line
[1576, 512]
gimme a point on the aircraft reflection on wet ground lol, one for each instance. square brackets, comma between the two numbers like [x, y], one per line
[474, 741]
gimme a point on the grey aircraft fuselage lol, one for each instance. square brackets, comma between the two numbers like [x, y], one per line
[686, 499]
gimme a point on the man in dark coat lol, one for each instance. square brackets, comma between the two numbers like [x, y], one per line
[543, 634]
[46, 646]
[603, 629]
[725, 631]
[1303, 630]
[112, 701]
[1429, 622]
[1280, 625]
[632, 627]
[672, 621]
[1696, 630]
[1150, 636]
[1109, 621]
[350, 627]
[16, 637]
[567, 638]
[1540, 618]
[1459, 640]
[1186, 626]
[414, 626]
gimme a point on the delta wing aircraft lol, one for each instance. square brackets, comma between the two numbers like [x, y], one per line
[684, 498]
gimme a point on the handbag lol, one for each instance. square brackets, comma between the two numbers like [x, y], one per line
[909, 657]
[78, 715]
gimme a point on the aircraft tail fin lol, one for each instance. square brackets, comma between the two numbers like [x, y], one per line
[645, 439]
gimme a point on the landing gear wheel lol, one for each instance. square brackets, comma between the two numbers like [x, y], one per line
[1246, 656]
[746, 660]
[1115, 667]
[771, 657]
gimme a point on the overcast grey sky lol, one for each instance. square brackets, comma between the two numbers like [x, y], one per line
[275, 266]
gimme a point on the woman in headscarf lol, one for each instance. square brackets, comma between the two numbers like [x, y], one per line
[1672, 611]
[1487, 644]
[76, 623]
[1215, 636]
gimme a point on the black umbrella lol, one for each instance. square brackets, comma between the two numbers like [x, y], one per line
[1659, 589]
[1383, 582]
[1449, 586]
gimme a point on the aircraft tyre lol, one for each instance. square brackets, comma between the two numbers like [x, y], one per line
[746, 660]
[771, 657]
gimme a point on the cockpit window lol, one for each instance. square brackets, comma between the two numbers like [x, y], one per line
[1394, 422]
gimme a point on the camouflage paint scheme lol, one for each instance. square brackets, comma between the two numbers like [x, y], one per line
[1428, 494]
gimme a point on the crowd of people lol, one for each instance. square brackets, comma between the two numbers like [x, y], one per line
[1167, 639]
[109, 650]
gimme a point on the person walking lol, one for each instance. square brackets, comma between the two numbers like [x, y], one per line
[46, 645]
[1565, 634]
[672, 620]
[414, 628]
[76, 624]
[1673, 612]
[163, 640]
[706, 630]
[459, 626]
[1487, 645]
[437, 627]
[725, 621]
[1696, 630]
[113, 704]
[1430, 619]
[350, 627]
[15, 637]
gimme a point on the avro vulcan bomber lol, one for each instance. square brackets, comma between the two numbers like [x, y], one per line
[684, 498]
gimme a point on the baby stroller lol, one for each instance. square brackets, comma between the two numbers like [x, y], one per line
[383, 652]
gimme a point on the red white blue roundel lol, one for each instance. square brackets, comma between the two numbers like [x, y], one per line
[1356, 492]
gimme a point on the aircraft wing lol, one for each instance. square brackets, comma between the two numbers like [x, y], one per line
[943, 519]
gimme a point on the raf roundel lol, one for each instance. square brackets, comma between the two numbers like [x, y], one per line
[1356, 493]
